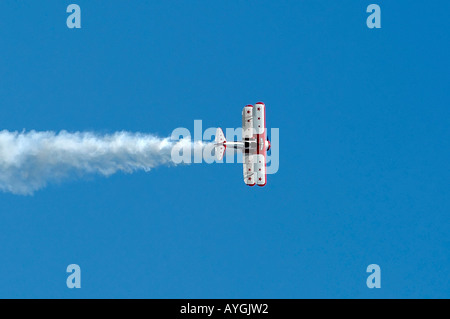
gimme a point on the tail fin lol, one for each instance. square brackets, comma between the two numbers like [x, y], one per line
[220, 144]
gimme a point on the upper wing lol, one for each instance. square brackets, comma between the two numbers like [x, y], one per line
[259, 124]
[260, 169]
[259, 118]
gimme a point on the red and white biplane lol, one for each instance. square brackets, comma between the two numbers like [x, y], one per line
[254, 145]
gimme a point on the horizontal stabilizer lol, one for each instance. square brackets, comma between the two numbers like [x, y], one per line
[220, 137]
[220, 144]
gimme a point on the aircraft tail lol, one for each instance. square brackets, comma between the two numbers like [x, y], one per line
[220, 144]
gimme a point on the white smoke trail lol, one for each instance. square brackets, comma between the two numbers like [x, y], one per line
[30, 160]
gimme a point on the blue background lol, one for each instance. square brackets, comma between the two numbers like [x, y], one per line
[364, 148]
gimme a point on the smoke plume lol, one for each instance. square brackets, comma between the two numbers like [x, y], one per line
[31, 160]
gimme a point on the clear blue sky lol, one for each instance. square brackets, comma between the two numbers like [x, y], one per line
[364, 163]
